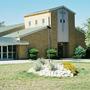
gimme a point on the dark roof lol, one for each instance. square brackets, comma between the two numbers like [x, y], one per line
[11, 41]
[7, 28]
[25, 32]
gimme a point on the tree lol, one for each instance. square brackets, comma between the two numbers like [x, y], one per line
[87, 34]
[2, 23]
[80, 29]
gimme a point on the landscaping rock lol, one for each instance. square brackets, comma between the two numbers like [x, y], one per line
[60, 71]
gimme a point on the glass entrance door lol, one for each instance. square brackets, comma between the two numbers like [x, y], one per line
[62, 50]
[4, 52]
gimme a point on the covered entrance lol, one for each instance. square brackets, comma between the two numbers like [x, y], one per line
[8, 47]
[63, 50]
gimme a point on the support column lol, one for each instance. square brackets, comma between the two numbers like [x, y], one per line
[1, 52]
[12, 51]
[7, 52]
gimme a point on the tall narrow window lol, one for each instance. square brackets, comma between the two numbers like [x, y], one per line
[60, 20]
[63, 20]
[29, 23]
[36, 22]
[43, 20]
[48, 20]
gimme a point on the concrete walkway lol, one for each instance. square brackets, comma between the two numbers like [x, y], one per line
[76, 60]
[28, 61]
[14, 61]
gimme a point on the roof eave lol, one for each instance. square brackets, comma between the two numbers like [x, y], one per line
[48, 10]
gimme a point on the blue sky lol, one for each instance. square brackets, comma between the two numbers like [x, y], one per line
[12, 11]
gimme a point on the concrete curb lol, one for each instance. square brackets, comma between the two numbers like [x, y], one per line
[29, 61]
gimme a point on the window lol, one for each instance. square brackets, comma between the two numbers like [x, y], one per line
[49, 20]
[43, 21]
[60, 20]
[0, 49]
[9, 48]
[29, 23]
[63, 20]
[5, 49]
[35, 21]
[14, 48]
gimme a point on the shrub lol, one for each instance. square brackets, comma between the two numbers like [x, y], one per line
[87, 53]
[52, 53]
[37, 66]
[33, 53]
[33, 56]
[71, 67]
[79, 52]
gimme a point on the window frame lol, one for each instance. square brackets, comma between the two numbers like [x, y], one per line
[29, 23]
[36, 22]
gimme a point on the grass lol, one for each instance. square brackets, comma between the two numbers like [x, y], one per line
[14, 77]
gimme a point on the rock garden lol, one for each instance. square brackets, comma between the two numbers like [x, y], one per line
[46, 67]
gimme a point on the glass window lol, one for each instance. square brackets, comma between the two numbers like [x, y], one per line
[35, 21]
[0, 55]
[14, 55]
[9, 55]
[43, 21]
[63, 20]
[0, 48]
[29, 23]
[14, 48]
[60, 20]
[49, 20]
[9, 48]
[4, 55]
[4, 48]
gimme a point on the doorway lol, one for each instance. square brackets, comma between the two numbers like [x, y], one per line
[63, 50]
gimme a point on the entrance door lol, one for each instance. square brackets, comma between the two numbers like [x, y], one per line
[4, 56]
[62, 50]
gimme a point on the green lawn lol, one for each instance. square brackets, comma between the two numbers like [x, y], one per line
[14, 77]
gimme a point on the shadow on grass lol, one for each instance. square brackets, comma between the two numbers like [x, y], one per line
[31, 76]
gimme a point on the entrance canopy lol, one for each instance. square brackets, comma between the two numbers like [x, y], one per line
[11, 41]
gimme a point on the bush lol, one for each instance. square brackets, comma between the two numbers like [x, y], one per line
[71, 67]
[52, 53]
[33, 53]
[79, 52]
[33, 56]
[87, 53]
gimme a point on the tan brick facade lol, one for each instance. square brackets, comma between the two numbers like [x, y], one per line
[75, 37]
[80, 38]
[38, 40]
[72, 34]
[22, 52]
[54, 29]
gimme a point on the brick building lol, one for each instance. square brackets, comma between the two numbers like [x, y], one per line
[53, 27]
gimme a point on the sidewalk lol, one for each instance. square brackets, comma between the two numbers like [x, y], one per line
[76, 60]
[28, 61]
[15, 61]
